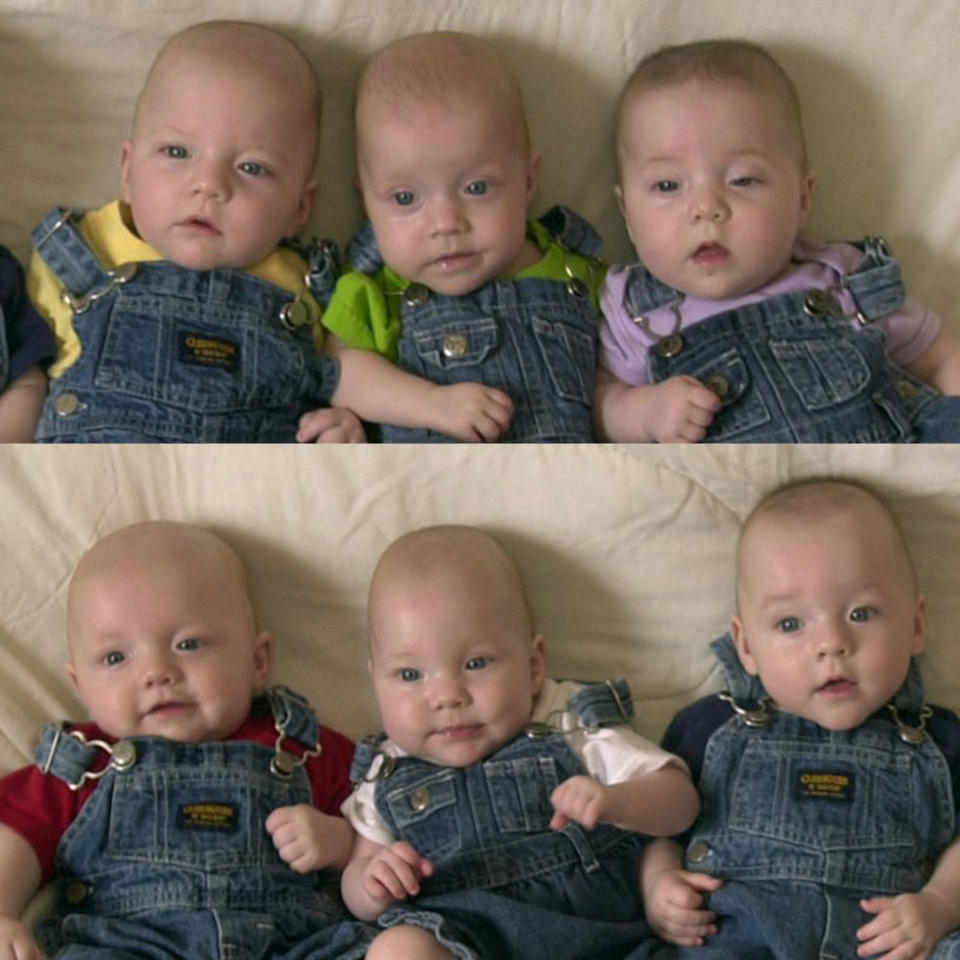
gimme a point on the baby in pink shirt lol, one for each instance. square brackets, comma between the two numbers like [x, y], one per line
[732, 327]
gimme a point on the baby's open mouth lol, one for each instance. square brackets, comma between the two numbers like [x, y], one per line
[709, 253]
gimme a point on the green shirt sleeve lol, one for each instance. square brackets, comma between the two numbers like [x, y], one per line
[358, 315]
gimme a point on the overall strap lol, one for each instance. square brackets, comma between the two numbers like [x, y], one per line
[64, 250]
[363, 254]
[292, 715]
[644, 293]
[67, 754]
[571, 231]
[877, 284]
[323, 266]
[603, 704]
[365, 752]
[747, 691]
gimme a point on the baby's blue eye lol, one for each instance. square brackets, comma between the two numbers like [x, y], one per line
[191, 643]
[745, 181]
[666, 186]
[112, 658]
[478, 188]
[409, 674]
[252, 168]
[403, 198]
[174, 152]
[788, 625]
[477, 663]
[861, 614]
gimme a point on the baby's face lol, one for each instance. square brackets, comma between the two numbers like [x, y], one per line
[447, 194]
[454, 672]
[829, 617]
[711, 188]
[219, 169]
[166, 649]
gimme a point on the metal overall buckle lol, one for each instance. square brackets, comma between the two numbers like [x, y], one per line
[123, 755]
[284, 763]
[758, 716]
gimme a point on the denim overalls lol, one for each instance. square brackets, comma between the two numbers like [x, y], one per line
[793, 368]
[172, 354]
[169, 857]
[504, 883]
[533, 338]
[802, 822]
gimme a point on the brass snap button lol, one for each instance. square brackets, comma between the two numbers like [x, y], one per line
[420, 799]
[454, 346]
[294, 314]
[76, 892]
[66, 404]
[124, 755]
[906, 389]
[535, 730]
[416, 294]
[699, 851]
[283, 763]
[577, 288]
[820, 303]
[670, 346]
[718, 385]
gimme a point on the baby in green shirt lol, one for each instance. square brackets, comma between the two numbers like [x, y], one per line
[494, 314]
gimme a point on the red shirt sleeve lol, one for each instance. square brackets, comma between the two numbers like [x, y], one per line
[330, 772]
[40, 808]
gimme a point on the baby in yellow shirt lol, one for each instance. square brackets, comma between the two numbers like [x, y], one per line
[184, 311]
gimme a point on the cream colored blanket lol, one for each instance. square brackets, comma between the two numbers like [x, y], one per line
[627, 552]
[877, 78]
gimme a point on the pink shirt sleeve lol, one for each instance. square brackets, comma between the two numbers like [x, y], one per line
[623, 351]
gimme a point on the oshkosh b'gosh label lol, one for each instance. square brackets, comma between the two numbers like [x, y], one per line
[824, 785]
[204, 351]
[221, 817]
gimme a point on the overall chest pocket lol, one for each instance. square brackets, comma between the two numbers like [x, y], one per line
[196, 819]
[568, 352]
[520, 791]
[451, 351]
[209, 358]
[720, 366]
[823, 371]
[423, 811]
[824, 797]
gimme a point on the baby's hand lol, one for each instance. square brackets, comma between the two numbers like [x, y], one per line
[579, 799]
[395, 873]
[674, 907]
[330, 425]
[471, 411]
[907, 927]
[679, 410]
[307, 839]
[16, 941]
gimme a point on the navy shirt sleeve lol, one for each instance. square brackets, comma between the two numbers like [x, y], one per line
[944, 727]
[29, 339]
[692, 727]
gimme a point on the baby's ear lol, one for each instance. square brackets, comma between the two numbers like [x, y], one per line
[305, 207]
[806, 195]
[919, 639]
[534, 173]
[742, 644]
[71, 671]
[538, 663]
[126, 150]
[262, 658]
